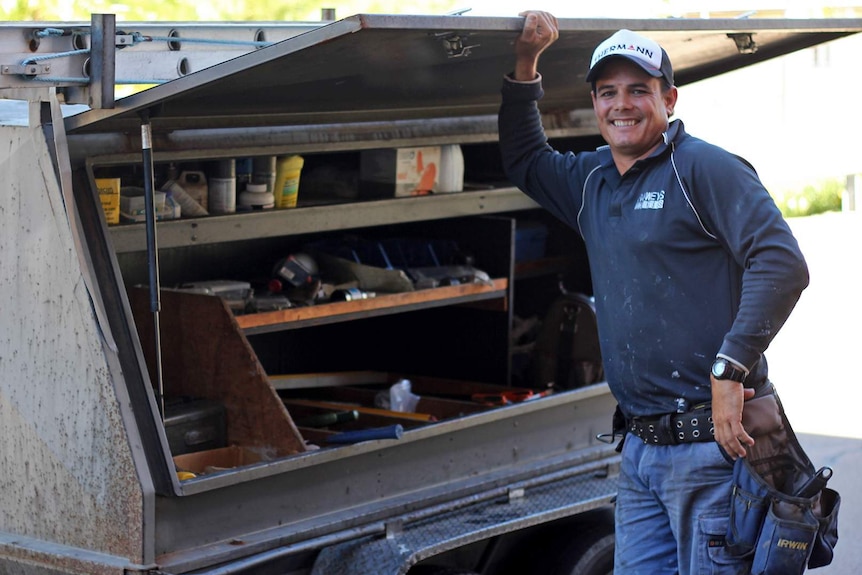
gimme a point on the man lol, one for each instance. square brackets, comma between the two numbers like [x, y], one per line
[694, 271]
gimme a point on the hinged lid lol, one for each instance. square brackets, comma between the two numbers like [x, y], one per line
[379, 67]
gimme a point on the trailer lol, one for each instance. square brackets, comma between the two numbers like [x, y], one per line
[375, 380]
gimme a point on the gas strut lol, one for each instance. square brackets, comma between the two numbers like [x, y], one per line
[152, 251]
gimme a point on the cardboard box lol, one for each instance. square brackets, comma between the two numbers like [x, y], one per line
[132, 208]
[132, 201]
[399, 172]
[214, 460]
[109, 195]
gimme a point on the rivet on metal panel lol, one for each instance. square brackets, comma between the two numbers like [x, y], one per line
[744, 42]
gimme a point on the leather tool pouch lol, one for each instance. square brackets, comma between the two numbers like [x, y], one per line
[780, 531]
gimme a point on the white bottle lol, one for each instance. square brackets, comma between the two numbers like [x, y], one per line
[451, 177]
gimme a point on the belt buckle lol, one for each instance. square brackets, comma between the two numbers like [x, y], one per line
[655, 431]
[666, 428]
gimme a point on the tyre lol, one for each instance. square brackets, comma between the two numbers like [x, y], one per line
[588, 553]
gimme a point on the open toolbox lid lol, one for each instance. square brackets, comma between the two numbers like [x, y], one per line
[384, 67]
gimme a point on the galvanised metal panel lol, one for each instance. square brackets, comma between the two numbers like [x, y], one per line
[71, 494]
[383, 67]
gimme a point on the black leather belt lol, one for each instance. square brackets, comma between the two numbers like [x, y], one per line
[674, 428]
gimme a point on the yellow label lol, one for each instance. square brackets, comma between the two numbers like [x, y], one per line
[109, 194]
[288, 172]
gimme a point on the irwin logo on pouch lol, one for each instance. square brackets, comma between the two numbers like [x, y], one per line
[790, 544]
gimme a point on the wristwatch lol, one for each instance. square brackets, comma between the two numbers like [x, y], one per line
[723, 369]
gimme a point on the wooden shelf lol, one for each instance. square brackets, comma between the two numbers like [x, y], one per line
[381, 305]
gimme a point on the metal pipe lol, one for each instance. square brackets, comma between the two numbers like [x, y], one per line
[102, 60]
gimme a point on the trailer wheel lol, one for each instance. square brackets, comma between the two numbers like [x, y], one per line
[590, 553]
[436, 570]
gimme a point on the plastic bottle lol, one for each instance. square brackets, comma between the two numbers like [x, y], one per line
[194, 183]
[222, 188]
[255, 197]
[451, 178]
[287, 181]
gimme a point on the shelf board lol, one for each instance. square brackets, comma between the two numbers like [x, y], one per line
[334, 217]
[388, 304]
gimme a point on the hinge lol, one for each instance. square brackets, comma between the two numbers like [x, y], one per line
[455, 44]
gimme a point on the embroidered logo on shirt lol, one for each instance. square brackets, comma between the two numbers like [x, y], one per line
[650, 201]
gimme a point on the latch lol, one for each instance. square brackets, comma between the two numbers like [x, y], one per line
[744, 42]
[455, 44]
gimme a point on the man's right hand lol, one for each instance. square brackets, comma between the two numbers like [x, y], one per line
[540, 31]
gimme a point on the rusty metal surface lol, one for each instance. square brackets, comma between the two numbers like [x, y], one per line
[65, 464]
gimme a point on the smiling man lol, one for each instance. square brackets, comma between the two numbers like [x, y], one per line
[694, 272]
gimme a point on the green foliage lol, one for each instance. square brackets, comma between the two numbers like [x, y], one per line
[825, 196]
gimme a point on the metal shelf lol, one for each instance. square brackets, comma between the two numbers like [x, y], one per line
[279, 223]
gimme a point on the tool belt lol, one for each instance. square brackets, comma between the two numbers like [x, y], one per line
[674, 428]
[782, 515]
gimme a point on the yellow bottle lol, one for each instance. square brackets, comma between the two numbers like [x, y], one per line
[287, 174]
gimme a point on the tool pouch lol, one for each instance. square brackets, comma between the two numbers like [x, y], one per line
[780, 531]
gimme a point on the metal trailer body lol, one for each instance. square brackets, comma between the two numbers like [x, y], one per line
[88, 482]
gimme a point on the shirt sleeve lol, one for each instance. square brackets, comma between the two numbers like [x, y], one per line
[742, 215]
[551, 178]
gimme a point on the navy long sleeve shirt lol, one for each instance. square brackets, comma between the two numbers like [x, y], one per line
[690, 258]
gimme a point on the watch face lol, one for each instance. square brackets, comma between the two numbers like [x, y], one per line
[719, 368]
